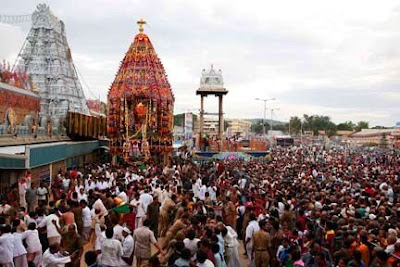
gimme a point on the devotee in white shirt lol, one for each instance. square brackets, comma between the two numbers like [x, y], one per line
[212, 190]
[202, 192]
[111, 250]
[33, 245]
[158, 193]
[202, 260]
[242, 183]
[98, 204]
[263, 216]
[102, 184]
[19, 252]
[118, 232]
[52, 257]
[146, 200]
[86, 219]
[136, 202]
[105, 184]
[191, 242]
[251, 229]
[65, 182]
[123, 196]
[52, 233]
[89, 185]
[42, 193]
[82, 195]
[6, 246]
[22, 186]
[127, 245]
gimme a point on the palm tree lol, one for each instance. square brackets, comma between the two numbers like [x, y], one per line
[294, 125]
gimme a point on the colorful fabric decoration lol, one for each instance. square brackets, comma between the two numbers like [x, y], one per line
[140, 105]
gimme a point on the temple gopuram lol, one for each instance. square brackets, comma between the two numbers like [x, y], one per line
[46, 127]
[140, 106]
[47, 58]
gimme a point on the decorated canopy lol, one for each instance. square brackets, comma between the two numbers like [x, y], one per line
[140, 104]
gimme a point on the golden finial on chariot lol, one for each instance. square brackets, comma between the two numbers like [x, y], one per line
[141, 23]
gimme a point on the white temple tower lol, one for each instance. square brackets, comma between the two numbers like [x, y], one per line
[47, 57]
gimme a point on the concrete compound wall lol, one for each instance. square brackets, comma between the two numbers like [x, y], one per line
[46, 160]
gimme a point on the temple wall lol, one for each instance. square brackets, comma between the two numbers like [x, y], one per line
[22, 102]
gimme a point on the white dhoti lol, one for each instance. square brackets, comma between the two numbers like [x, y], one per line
[232, 257]
[21, 261]
[138, 222]
[249, 247]
[22, 200]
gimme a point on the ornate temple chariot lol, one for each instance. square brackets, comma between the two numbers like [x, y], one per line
[140, 106]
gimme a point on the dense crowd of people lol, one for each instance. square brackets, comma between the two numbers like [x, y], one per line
[295, 207]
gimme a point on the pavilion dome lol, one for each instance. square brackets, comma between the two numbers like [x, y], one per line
[211, 79]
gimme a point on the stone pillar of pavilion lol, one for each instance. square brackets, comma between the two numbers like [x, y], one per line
[201, 116]
[211, 83]
[220, 118]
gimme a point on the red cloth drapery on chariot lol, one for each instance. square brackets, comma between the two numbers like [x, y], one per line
[140, 96]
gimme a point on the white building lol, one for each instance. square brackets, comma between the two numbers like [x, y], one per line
[179, 133]
[375, 137]
[188, 126]
[240, 128]
[46, 56]
[210, 127]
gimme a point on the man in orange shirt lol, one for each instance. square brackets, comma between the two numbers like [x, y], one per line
[363, 248]
[392, 259]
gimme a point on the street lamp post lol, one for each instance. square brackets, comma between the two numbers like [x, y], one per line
[265, 110]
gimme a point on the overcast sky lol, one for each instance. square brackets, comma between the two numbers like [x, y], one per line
[336, 58]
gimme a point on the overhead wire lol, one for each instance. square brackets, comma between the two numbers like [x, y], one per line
[15, 19]
[85, 84]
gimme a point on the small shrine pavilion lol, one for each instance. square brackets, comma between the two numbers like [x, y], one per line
[140, 106]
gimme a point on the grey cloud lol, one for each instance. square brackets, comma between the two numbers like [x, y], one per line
[326, 60]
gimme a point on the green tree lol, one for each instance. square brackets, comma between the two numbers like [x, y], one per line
[346, 126]
[308, 123]
[317, 123]
[295, 125]
[257, 127]
[179, 119]
[361, 125]
[283, 127]
[331, 129]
